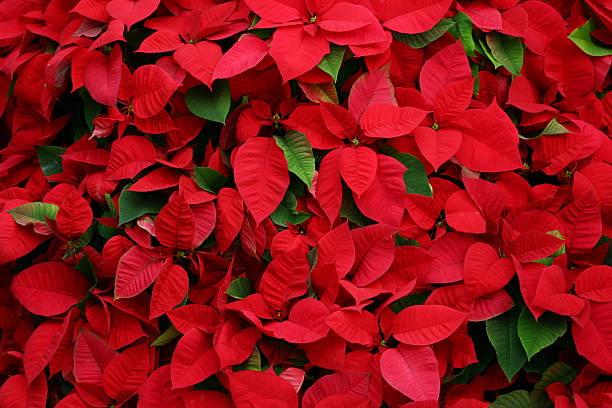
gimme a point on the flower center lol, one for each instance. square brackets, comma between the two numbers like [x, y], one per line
[276, 118]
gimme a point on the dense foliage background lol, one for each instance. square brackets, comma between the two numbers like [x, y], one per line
[305, 203]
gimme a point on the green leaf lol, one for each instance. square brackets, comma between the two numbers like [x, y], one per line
[401, 241]
[421, 40]
[538, 335]
[239, 288]
[553, 128]
[503, 334]
[30, 213]
[415, 176]
[105, 231]
[209, 179]
[87, 270]
[49, 159]
[464, 26]
[287, 212]
[111, 204]
[312, 256]
[485, 354]
[252, 363]
[213, 106]
[332, 61]
[515, 399]
[256, 19]
[166, 337]
[317, 93]
[557, 234]
[132, 204]
[409, 300]
[475, 75]
[548, 261]
[91, 108]
[584, 40]
[557, 372]
[87, 236]
[539, 363]
[608, 258]
[483, 48]
[349, 210]
[507, 50]
[184, 302]
[263, 33]
[298, 153]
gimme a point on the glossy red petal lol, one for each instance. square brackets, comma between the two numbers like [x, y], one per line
[412, 370]
[129, 156]
[49, 288]
[385, 199]
[327, 185]
[158, 179]
[42, 346]
[103, 76]
[160, 41]
[261, 388]
[74, 216]
[306, 323]
[205, 221]
[426, 324]
[169, 289]
[595, 283]
[295, 51]
[138, 268]
[374, 252]
[278, 11]
[199, 59]
[358, 167]
[438, 146]
[193, 360]
[593, 340]
[130, 12]
[369, 89]
[249, 51]
[338, 120]
[337, 384]
[485, 271]
[152, 88]
[448, 65]
[544, 24]
[354, 326]
[531, 246]
[187, 317]
[230, 213]
[91, 357]
[261, 175]
[175, 224]
[337, 247]
[233, 343]
[284, 279]
[387, 121]
[157, 392]
[463, 215]
[126, 372]
[412, 17]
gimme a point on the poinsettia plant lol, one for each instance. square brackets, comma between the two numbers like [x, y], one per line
[305, 203]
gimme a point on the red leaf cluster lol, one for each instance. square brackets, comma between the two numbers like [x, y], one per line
[304, 203]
